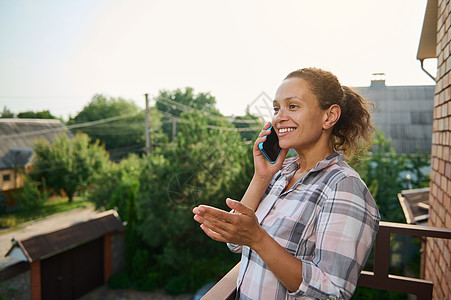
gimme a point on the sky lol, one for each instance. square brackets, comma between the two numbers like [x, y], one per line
[57, 54]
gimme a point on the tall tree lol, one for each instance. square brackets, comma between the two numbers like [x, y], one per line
[173, 103]
[202, 168]
[125, 133]
[68, 164]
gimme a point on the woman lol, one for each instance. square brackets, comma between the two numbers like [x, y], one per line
[305, 225]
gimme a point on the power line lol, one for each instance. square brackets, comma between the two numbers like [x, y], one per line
[74, 126]
[114, 118]
[186, 108]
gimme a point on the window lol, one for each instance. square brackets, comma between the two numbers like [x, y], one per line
[6, 177]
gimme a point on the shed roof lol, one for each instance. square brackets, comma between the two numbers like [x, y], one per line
[23, 133]
[49, 244]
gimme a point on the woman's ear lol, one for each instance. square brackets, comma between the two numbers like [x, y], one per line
[332, 115]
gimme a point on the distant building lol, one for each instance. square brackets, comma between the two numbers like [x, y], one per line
[17, 137]
[403, 113]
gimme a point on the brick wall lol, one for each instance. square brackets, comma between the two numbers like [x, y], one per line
[437, 266]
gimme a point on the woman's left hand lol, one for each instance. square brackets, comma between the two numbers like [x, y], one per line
[240, 228]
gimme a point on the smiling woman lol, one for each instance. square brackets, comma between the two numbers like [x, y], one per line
[305, 225]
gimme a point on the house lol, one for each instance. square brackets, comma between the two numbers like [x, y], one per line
[403, 113]
[17, 137]
[66, 262]
[435, 43]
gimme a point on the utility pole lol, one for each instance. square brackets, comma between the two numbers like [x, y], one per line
[174, 130]
[148, 146]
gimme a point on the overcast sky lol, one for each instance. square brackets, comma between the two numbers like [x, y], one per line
[56, 54]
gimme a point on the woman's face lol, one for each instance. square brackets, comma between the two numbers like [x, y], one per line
[298, 119]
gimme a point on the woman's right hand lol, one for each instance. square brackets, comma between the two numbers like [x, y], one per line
[264, 170]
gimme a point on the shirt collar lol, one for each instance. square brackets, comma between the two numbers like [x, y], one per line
[292, 164]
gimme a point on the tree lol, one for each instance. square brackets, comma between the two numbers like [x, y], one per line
[249, 126]
[45, 114]
[6, 113]
[174, 103]
[68, 164]
[203, 168]
[384, 172]
[123, 135]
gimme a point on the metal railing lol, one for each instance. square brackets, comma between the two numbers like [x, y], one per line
[378, 279]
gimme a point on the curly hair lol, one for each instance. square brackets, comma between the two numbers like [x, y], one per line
[354, 130]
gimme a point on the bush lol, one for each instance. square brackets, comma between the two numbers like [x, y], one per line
[3, 203]
[30, 197]
[120, 281]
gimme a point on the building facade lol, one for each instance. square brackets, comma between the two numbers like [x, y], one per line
[435, 43]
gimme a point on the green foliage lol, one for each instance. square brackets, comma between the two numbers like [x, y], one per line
[165, 248]
[384, 171]
[201, 169]
[120, 280]
[374, 294]
[53, 206]
[45, 114]
[116, 183]
[249, 126]
[30, 197]
[174, 103]
[3, 203]
[125, 134]
[6, 113]
[69, 163]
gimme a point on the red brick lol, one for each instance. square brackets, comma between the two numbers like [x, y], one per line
[438, 271]
[438, 222]
[434, 187]
[443, 184]
[447, 203]
[448, 169]
[441, 166]
[440, 247]
[437, 179]
[448, 220]
[446, 257]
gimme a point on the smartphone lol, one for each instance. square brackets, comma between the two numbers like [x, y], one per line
[270, 148]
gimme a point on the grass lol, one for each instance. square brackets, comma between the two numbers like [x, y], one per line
[52, 206]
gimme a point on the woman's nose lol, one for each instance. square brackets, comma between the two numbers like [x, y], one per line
[280, 116]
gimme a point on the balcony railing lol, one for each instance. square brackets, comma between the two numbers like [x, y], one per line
[378, 279]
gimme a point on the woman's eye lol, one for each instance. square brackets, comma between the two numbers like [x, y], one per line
[276, 109]
[293, 106]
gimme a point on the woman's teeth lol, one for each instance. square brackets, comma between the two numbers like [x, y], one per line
[283, 130]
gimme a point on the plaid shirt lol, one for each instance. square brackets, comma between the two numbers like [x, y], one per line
[328, 220]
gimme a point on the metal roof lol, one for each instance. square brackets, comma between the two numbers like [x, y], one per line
[49, 244]
[23, 133]
[404, 114]
[16, 157]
